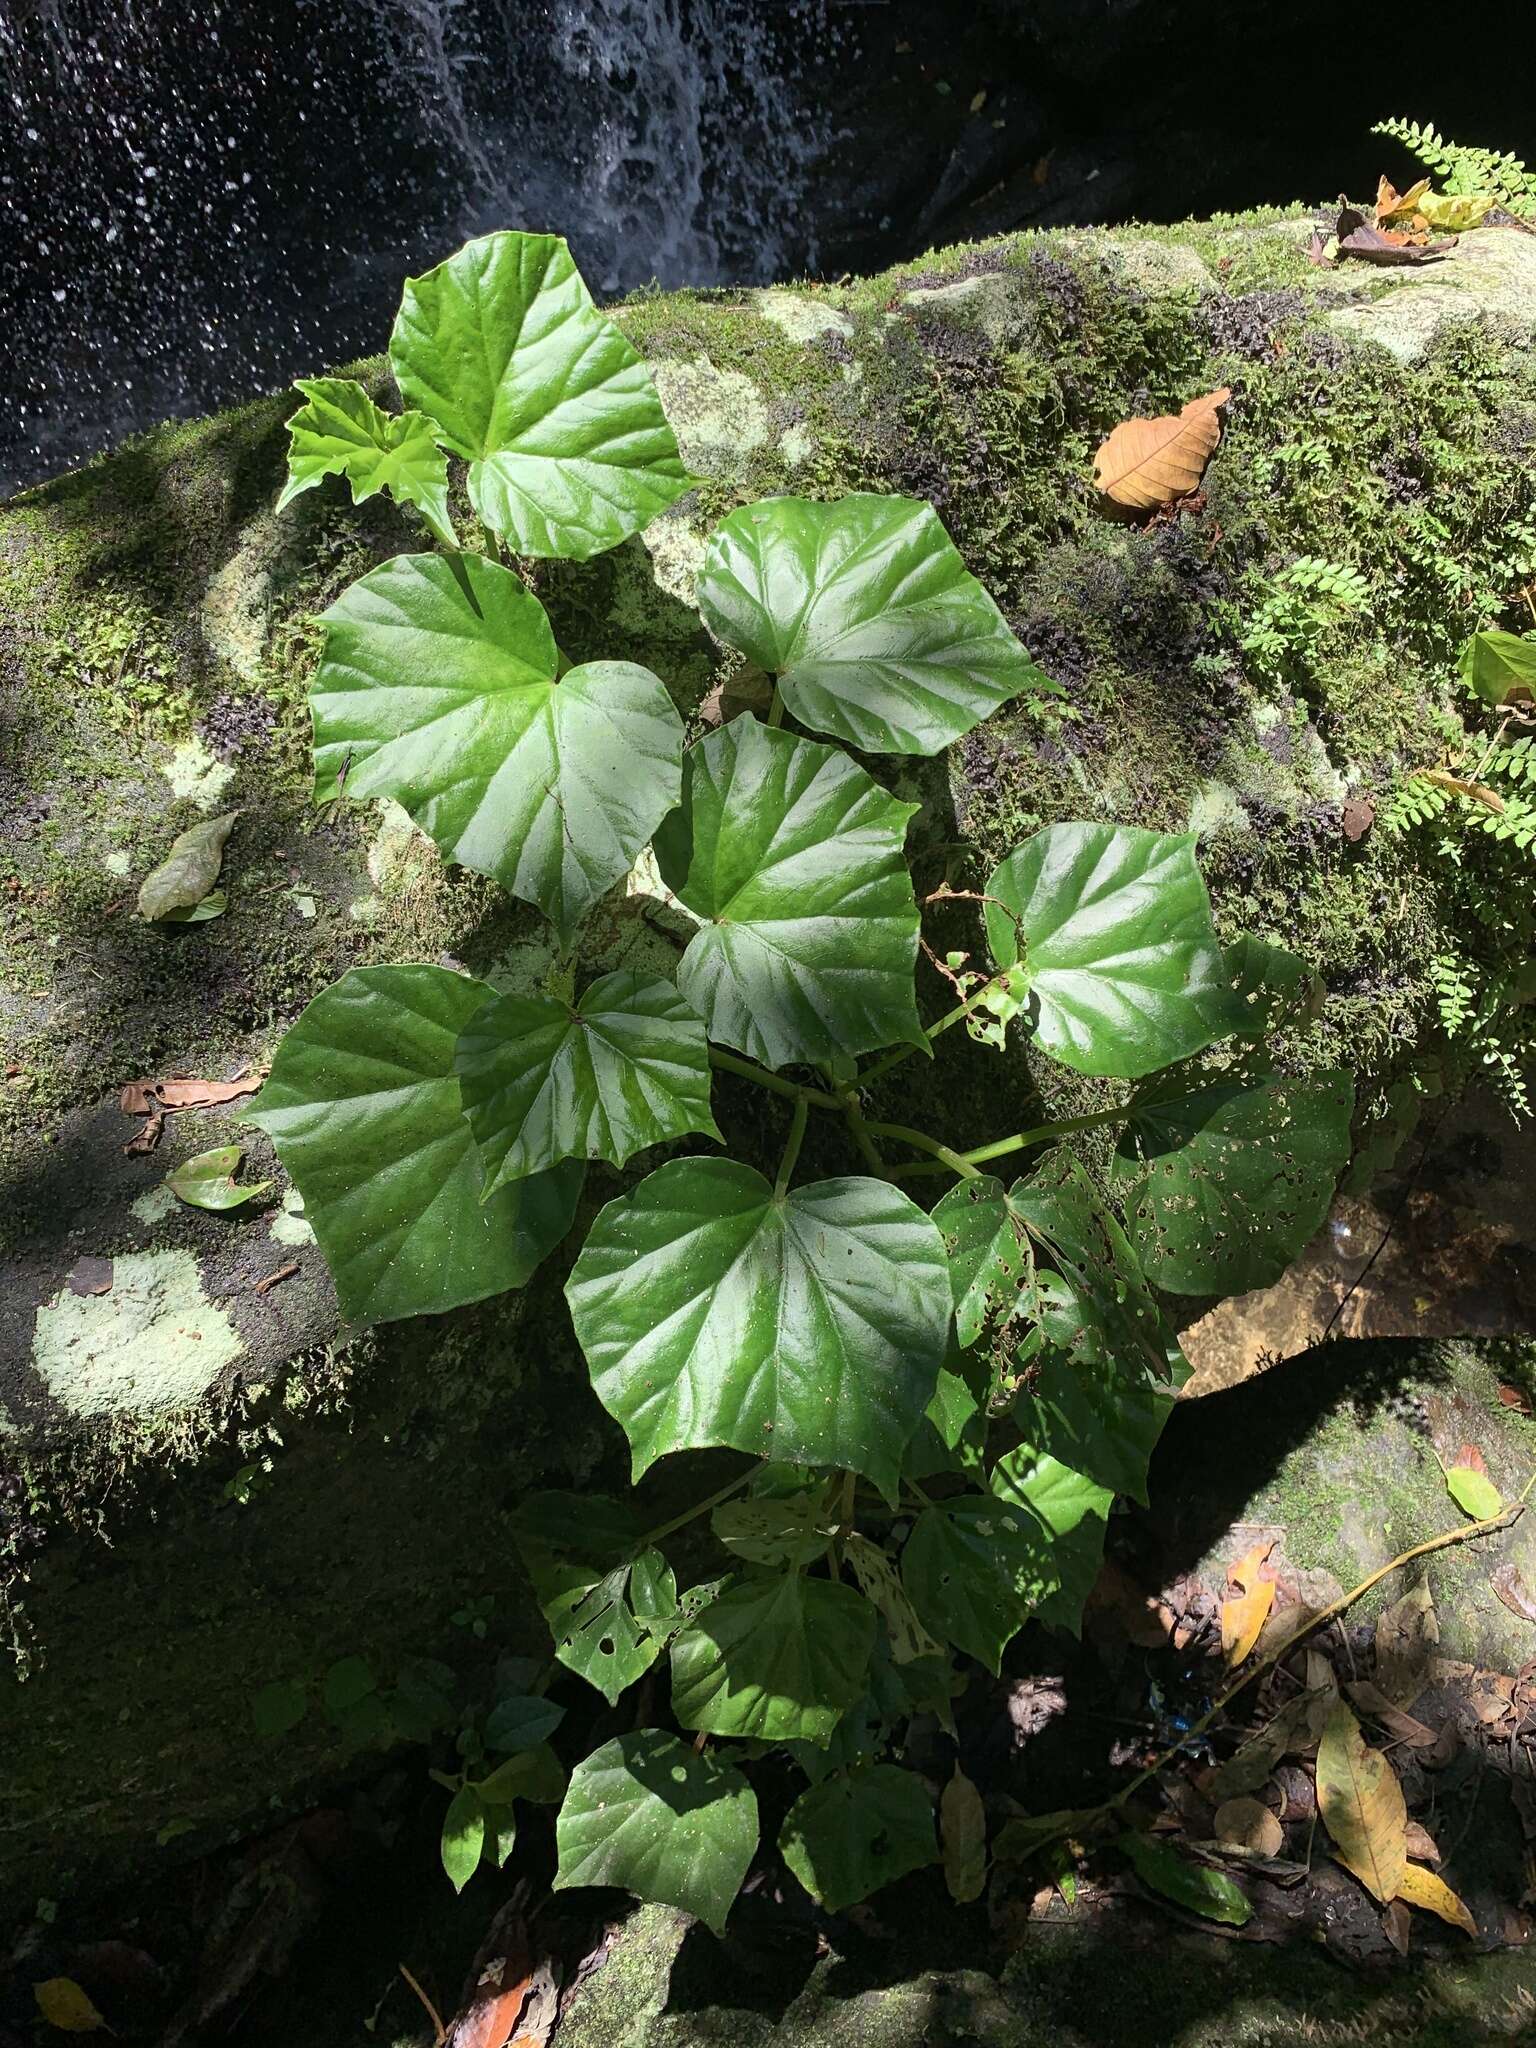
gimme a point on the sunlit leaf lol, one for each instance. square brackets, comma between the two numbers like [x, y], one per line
[1210, 1893]
[1114, 927]
[463, 1836]
[1245, 1609]
[1499, 667]
[177, 891]
[793, 857]
[437, 687]
[864, 610]
[1362, 1806]
[1224, 1187]
[674, 1825]
[590, 1574]
[880, 1583]
[545, 1080]
[207, 1181]
[848, 1836]
[1474, 1493]
[556, 414]
[362, 1104]
[990, 1261]
[1422, 1888]
[976, 1569]
[776, 1658]
[1271, 985]
[1074, 1512]
[339, 431]
[809, 1326]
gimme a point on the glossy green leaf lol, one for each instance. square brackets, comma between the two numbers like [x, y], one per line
[864, 610]
[952, 1435]
[810, 1327]
[535, 1774]
[1271, 985]
[584, 1555]
[208, 1180]
[339, 431]
[779, 1659]
[545, 1080]
[1109, 1367]
[1075, 1515]
[847, 1837]
[1499, 667]
[778, 1531]
[178, 889]
[991, 1263]
[463, 1836]
[1196, 1887]
[1473, 1492]
[555, 412]
[437, 687]
[976, 1569]
[1116, 933]
[362, 1104]
[793, 857]
[521, 1723]
[1225, 1186]
[673, 1825]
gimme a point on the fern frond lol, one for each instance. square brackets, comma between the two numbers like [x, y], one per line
[1466, 169]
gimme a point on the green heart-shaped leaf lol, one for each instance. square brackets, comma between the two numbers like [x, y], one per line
[592, 1579]
[779, 1659]
[976, 1569]
[543, 1080]
[556, 414]
[795, 1531]
[341, 432]
[1271, 985]
[811, 1326]
[1225, 1186]
[863, 609]
[674, 1825]
[794, 857]
[1108, 1367]
[991, 1264]
[847, 1837]
[437, 688]
[1117, 937]
[1074, 1511]
[1499, 667]
[363, 1106]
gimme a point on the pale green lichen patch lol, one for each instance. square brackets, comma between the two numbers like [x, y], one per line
[717, 415]
[153, 1343]
[800, 317]
[290, 1226]
[153, 1206]
[197, 775]
[236, 610]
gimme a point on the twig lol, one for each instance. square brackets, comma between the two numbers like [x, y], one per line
[432, 2012]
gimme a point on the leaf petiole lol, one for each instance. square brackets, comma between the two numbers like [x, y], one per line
[701, 1507]
[942, 1153]
[791, 1149]
[728, 1063]
[954, 1016]
[1021, 1141]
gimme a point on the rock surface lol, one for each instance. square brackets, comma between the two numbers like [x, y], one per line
[279, 1491]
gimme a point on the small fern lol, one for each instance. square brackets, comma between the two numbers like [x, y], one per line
[1467, 170]
[1412, 800]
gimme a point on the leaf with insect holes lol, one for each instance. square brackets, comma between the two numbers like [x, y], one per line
[1074, 1512]
[555, 412]
[880, 1583]
[208, 1180]
[543, 1079]
[363, 1106]
[793, 858]
[1145, 463]
[1108, 1368]
[674, 1825]
[864, 610]
[1245, 1609]
[1196, 1887]
[178, 891]
[463, 1836]
[848, 1836]
[1500, 668]
[592, 1578]
[976, 1569]
[1362, 1806]
[1225, 1186]
[339, 431]
[776, 1659]
[1271, 985]
[990, 1261]
[786, 1529]
[437, 687]
[1114, 926]
[810, 1325]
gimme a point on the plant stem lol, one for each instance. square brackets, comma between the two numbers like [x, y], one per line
[893, 1059]
[728, 1063]
[860, 1133]
[791, 1148]
[776, 708]
[923, 1143]
[692, 1514]
[1043, 1134]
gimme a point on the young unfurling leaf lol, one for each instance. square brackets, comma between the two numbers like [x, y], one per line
[341, 432]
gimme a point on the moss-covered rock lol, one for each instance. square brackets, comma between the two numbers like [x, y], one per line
[156, 639]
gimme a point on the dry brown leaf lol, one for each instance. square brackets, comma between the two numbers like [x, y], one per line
[1507, 1583]
[1358, 816]
[1390, 203]
[1248, 1824]
[274, 1279]
[1284, 1625]
[1403, 1727]
[1145, 463]
[1246, 1608]
[1406, 1635]
[1362, 1806]
[1422, 1888]
[90, 1275]
[1397, 1924]
[1420, 1843]
[1474, 792]
[1470, 1459]
[1511, 1397]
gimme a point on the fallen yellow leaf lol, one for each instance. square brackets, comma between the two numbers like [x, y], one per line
[1421, 1887]
[1249, 1824]
[64, 2005]
[1245, 1611]
[1362, 1806]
